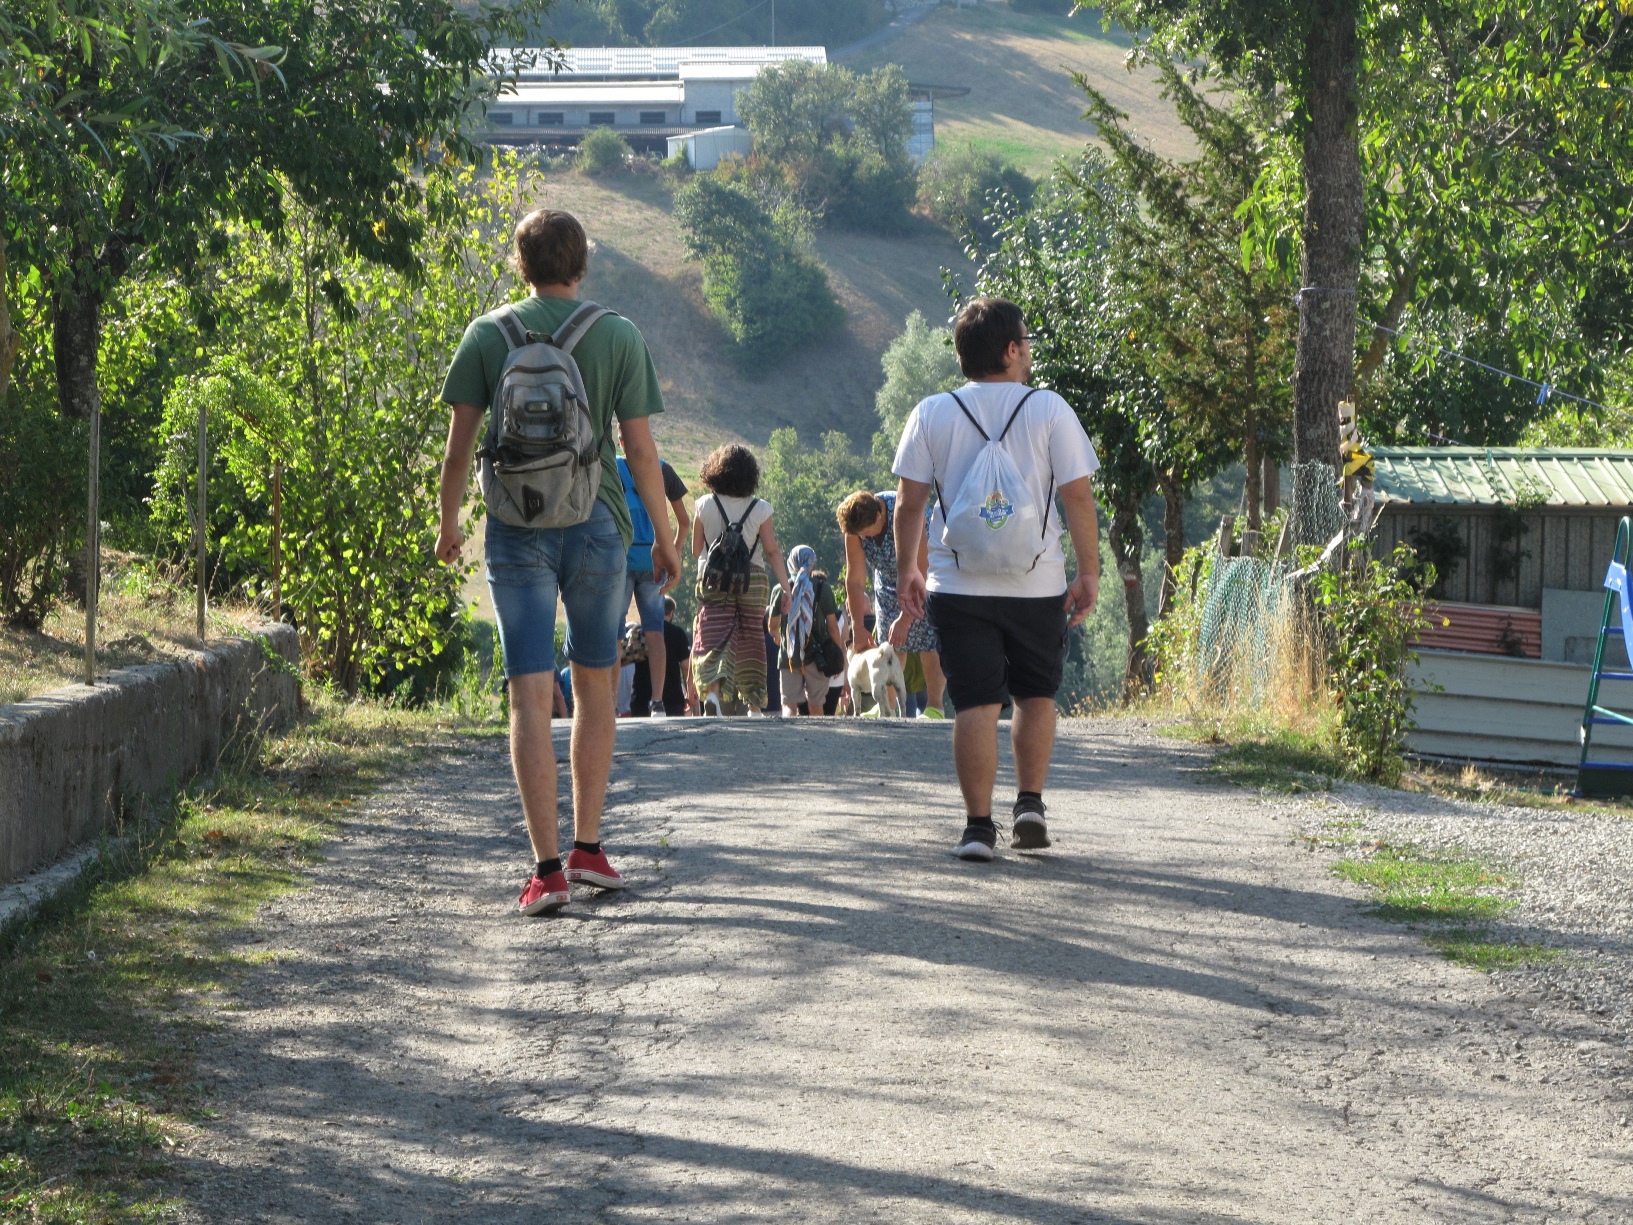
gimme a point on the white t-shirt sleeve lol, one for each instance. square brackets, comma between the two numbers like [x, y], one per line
[1071, 454]
[913, 461]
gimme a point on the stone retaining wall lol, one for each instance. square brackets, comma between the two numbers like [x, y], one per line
[69, 760]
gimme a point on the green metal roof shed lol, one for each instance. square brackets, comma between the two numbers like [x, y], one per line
[1505, 523]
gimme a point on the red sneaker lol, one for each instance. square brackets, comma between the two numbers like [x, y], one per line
[587, 869]
[543, 895]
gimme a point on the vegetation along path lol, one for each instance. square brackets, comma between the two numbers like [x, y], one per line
[805, 1009]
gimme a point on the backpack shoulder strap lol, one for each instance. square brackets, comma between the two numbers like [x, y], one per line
[748, 510]
[969, 414]
[1030, 392]
[579, 322]
[510, 327]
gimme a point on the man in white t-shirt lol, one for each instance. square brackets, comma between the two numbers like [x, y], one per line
[1003, 635]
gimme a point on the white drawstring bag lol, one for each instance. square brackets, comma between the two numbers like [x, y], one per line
[990, 526]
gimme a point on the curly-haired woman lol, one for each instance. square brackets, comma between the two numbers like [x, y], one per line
[728, 646]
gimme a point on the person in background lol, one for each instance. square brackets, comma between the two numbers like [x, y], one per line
[728, 647]
[677, 667]
[639, 581]
[801, 623]
[868, 521]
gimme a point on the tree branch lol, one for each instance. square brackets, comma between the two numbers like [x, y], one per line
[1406, 283]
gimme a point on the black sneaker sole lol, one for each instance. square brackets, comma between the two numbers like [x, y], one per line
[1029, 833]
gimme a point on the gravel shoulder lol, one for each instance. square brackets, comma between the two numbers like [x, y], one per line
[804, 1009]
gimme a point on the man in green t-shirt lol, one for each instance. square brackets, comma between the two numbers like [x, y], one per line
[583, 566]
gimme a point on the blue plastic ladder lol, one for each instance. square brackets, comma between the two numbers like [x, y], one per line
[1605, 779]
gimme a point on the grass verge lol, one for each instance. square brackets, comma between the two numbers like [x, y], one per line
[1276, 757]
[1457, 897]
[104, 997]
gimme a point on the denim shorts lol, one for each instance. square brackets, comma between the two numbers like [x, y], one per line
[528, 568]
[643, 585]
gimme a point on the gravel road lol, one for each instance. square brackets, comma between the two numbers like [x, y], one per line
[805, 1010]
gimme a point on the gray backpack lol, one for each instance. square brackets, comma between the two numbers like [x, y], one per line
[541, 458]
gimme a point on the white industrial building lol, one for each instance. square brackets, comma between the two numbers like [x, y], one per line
[665, 100]
[648, 94]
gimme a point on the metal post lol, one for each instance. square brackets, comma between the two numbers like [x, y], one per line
[201, 525]
[93, 541]
[277, 540]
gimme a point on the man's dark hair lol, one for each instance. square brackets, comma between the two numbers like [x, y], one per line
[731, 471]
[985, 329]
[669, 606]
[551, 248]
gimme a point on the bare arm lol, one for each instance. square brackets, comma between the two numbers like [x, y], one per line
[1083, 522]
[698, 543]
[768, 544]
[683, 519]
[456, 478]
[911, 499]
[641, 453]
[856, 577]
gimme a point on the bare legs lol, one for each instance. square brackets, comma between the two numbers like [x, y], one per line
[935, 680]
[657, 660]
[533, 754]
[975, 750]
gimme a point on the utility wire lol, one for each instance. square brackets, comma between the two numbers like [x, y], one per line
[683, 41]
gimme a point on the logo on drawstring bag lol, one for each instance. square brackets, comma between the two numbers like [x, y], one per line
[996, 510]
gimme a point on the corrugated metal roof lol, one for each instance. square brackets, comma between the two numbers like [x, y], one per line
[573, 94]
[1486, 476]
[662, 61]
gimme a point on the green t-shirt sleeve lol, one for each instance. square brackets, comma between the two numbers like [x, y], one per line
[468, 381]
[829, 608]
[635, 391]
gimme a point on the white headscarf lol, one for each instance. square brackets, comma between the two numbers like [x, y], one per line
[801, 604]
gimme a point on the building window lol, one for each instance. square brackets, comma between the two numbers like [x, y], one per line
[602, 119]
[550, 119]
[653, 118]
[712, 117]
[501, 119]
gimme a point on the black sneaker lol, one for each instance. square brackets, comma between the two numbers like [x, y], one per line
[977, 842]
[1028, 832]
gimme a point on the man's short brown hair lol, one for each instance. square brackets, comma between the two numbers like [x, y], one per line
[551, 248]
[982, 334]
[860, 510]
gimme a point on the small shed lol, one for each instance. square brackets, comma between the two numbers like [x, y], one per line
[707, 149]
[1504, 525]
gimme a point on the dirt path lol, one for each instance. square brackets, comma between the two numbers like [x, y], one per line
[806, 1010]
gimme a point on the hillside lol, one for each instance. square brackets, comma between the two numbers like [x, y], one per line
[1017, 66]
[639, 268]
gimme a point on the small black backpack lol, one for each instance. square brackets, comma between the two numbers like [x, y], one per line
[729, 561]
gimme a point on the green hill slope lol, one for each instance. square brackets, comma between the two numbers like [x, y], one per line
[1017, 66]
[639, 269]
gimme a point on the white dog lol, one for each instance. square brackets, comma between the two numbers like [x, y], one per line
[879, 673]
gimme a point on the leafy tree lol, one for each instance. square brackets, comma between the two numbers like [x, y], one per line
[758, 274]
[1056, 263]
[348, 359]
[1211, 315]
[718, 22]
[838, 139]
[602, 150]
[338, 100]
[957, 184]
[805, 484]
[918, 363]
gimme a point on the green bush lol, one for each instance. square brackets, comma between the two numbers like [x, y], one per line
[42, 505]
[602, 150]
[959, 184]
[805, 484]
[919, 363]
[1374, 612]
[758, 274]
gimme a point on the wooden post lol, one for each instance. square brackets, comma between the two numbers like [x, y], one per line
[1270, 487]
[201, 524]
[93, 542]
[1227, 533]
[277, 540]
[1250, 543]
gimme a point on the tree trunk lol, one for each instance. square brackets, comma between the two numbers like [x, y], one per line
[1127, 546]
[1251, 472]
[9, 340]
[1173, 536]
[1334, 219]
[76, 331]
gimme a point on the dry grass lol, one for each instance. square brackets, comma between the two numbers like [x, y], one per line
[144, 618]
[1017, 67]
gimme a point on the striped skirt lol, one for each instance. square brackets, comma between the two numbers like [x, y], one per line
[728, 645]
